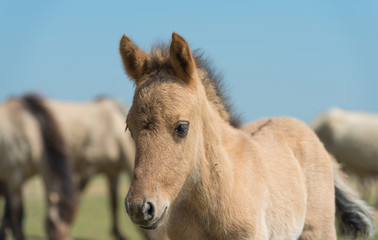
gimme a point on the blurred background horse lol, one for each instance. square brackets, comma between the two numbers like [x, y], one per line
[352, 137]
[96, 142]
[30, 143]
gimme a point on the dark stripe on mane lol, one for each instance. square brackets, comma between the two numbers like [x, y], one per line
[212, 80]
[56, 157]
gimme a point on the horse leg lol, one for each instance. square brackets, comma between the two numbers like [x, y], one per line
[7, 211]
[320, 213]
[14, 212]
[319, 227]
[113, 185]
[6, 223]
[83, 182]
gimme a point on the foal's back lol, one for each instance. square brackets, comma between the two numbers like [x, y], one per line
[300, 174]
[290, 135]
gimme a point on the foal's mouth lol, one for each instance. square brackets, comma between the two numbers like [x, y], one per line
[157, 222]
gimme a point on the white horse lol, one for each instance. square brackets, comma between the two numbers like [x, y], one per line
[352, 137]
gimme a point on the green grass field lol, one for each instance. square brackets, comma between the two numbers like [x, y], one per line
[93, 219]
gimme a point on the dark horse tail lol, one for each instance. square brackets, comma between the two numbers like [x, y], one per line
[355, 217]
[57, 165]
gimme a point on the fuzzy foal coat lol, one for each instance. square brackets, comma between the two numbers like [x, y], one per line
[271, 179]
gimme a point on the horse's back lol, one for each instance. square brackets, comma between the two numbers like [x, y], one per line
[292, 132]
[20, 141]
[300, 166]
[295, 137]
[94, 131]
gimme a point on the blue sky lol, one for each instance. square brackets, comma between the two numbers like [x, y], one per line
[291, 58]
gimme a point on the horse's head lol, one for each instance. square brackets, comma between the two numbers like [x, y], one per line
[165, 121]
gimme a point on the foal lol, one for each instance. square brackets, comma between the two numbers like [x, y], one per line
[207, 178]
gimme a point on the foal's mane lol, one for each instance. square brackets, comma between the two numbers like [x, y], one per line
[211, 80]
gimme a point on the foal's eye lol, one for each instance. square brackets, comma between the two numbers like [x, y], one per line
[182, 128]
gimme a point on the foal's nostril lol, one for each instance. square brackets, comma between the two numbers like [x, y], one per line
[148, 211]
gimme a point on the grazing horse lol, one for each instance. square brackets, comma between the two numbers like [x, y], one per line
[352, 137]
[30, 142]
[96, 143]
[204, 177]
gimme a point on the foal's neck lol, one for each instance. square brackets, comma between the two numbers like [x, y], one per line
[215, 164]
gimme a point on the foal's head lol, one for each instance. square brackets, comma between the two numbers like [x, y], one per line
[166, 120]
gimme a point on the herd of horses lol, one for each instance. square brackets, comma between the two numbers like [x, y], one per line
[196, 172]
[66, 143]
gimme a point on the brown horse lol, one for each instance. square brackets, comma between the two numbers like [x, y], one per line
[96, 144]
[205, 178]
[30, 142]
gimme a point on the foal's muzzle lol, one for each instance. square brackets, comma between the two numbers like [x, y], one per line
[145, 213]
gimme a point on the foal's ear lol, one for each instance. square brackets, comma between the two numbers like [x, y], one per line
[134, 59]
[181, 58]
